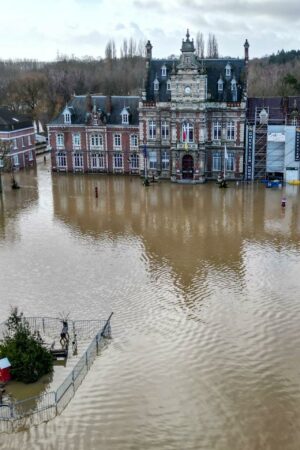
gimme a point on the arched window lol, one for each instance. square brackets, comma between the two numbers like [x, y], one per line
[156, 84]
[187, 132]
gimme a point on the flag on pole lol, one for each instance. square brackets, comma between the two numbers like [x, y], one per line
[184, 132]
[225, 153]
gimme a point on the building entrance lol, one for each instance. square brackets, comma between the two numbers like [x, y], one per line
[187, 167]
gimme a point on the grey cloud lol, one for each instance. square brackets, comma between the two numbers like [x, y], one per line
[272, 9]
[149, 4]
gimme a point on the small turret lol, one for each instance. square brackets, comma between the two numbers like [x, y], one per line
[149, 51]
[246, 47]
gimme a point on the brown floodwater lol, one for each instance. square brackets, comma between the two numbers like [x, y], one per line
[204, 285]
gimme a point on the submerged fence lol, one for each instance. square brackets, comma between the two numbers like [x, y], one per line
[35, 410]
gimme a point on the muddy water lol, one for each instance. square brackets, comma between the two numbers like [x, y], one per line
[204, 284]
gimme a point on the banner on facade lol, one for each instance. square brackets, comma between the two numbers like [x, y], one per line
[297, 145]
[249, 162]
[276, 137]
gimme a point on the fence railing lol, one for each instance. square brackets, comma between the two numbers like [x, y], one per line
[35, 410]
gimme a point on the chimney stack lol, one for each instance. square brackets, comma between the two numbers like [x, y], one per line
[246, 47]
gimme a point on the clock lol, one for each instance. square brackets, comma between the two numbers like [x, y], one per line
[187, 90]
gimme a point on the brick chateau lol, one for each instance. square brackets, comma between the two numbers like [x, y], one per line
[188, 111]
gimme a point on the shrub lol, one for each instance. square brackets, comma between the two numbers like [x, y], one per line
[28, 357]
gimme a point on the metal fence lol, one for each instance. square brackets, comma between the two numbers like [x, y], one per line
[35, 410]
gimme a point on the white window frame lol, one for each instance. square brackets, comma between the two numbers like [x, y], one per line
[231, 131]
[189, 133]
[156, 85]
[96, 141]
[164, 71]
[30, 155]
[217, 130]
[125, 119]
[217, 162]
[228, 70]
[67, 117]
[134, 142]
[60, 140]
[134, 161]
[76, 141]
[29, 139]
[97, 160]
[220, 85]
[16, 161]
[165, 160]
[78, 157]
[60, 158]
[118, 160]
[152, 129]
[165, 130]
[152, 160]
[23, 141]
[15, 143]
[117, 141]
[230, 162]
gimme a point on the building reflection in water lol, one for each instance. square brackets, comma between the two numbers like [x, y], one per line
[15, 202]
[191, 229]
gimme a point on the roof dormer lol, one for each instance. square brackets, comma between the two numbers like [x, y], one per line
[228, 70]
[163, 70]
[125, 116]
[220, 84]
[67, 114]
[156, 84]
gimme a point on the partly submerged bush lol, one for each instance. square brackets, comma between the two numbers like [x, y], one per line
[29, 359]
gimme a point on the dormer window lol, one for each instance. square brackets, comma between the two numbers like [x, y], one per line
[125, 116]
[67, 115]
[164, 71]
[156, 84]
[228, 70]
[220, 85]
[168, 85]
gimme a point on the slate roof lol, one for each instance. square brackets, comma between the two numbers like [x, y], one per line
[10, 121]
[278, 107]
[77, 106]
[212, 67]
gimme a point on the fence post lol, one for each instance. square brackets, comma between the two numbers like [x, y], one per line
[73, 379]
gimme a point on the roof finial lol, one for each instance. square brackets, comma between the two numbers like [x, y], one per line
[187, 35]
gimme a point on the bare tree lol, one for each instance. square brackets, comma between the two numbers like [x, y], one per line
[200, 45]
[212, 46]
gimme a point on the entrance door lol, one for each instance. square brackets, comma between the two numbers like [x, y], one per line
[187, 167]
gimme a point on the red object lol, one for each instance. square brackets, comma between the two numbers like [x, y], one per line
[5, 375]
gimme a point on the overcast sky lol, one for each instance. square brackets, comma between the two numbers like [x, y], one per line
[40, 29]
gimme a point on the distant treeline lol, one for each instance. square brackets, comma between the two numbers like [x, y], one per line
[41, 89]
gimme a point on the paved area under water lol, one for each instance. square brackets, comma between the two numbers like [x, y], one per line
[204, 284]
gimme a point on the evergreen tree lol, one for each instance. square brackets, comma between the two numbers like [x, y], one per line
[29, 359]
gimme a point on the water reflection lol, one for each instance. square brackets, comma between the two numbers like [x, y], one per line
[204, 284]
[14, 202]
[190, 227]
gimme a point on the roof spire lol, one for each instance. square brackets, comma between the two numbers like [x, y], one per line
[187, 35]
